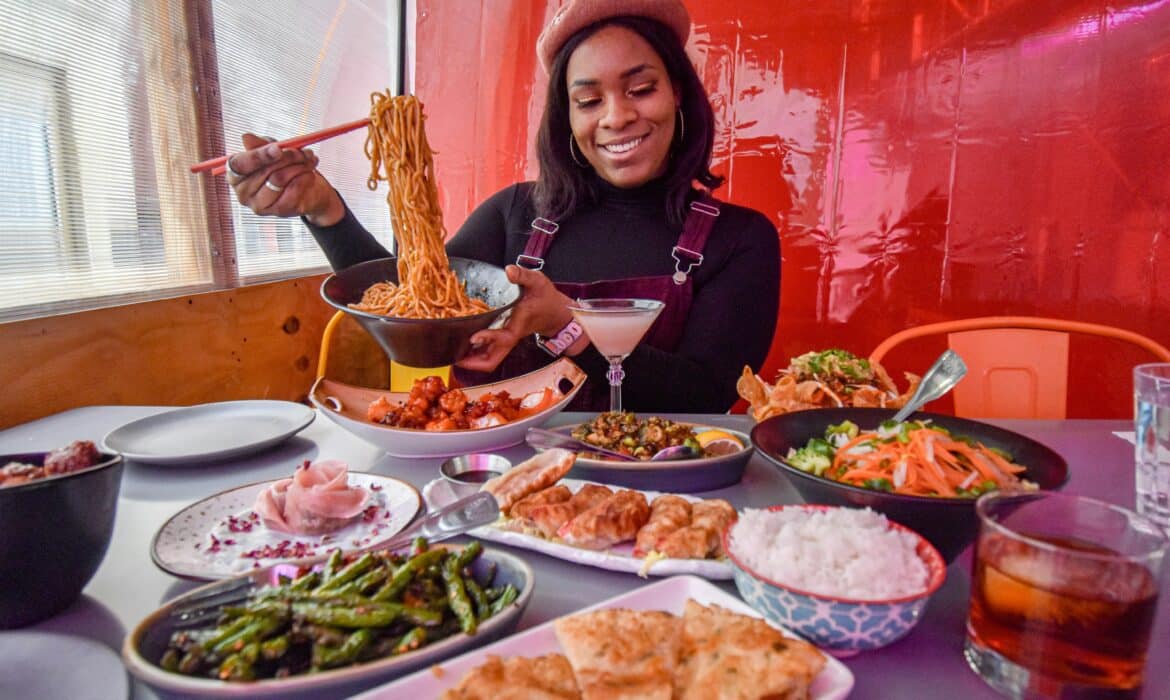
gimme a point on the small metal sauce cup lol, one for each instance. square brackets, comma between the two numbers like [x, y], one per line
[467, 473]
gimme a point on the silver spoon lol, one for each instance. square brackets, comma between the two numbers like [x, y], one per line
[542, 439]
[942, 376]
[455, 518]
[667, 454]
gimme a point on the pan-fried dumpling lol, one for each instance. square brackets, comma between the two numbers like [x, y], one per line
[668, 513]
[616, 519]
[536, 473]
[549, 518]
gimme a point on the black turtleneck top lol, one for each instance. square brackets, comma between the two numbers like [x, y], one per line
[626, 234]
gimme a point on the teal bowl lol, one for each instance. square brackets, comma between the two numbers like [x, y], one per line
[838, 625]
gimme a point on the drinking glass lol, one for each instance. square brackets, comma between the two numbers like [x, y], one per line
[1151, 418]
[615, 326]
[1063, 595]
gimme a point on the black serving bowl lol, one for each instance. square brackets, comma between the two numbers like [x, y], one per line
[422, 342]
[950, 524]
[54, 533]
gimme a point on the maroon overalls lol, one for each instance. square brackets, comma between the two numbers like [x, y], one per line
[675, 291]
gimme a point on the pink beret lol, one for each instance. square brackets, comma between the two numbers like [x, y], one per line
[575, 15]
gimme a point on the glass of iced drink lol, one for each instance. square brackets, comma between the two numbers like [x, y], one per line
[1151, 420]
[1063, 595]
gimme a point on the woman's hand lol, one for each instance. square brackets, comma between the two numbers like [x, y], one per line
[541, 309]
[275, 182]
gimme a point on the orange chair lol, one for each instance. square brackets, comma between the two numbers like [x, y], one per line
[1018, 364]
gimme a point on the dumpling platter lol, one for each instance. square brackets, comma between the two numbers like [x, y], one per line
[619, 557]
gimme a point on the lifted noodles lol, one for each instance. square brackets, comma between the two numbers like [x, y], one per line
[399, 154]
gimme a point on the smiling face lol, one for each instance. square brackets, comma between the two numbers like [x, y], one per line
[621, 106]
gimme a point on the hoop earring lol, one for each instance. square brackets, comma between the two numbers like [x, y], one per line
[682, 127]
[573, 154]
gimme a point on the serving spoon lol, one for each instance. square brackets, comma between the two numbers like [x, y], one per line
[942, 376]
[542, 439]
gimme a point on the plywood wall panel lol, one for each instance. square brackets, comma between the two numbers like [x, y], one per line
[249, 343]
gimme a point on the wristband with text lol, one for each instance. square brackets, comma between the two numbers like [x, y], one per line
[559, 343]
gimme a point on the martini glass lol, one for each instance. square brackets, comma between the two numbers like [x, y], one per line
[615, 326]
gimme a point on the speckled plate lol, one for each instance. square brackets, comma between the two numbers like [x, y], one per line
[183, 545]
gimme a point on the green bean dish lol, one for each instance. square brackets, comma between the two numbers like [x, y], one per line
[351, 610]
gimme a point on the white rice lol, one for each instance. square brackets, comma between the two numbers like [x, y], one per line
[838, 552]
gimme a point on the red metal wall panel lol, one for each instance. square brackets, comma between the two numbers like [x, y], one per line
[923, 159]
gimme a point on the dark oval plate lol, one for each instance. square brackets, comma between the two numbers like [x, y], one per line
[679, 476]
[144, 646]
[949, 523]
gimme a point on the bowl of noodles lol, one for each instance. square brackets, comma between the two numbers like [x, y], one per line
[421, 307]
[925, 473]
[437, 339]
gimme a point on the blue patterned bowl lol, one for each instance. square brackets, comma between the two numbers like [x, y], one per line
[838, 625]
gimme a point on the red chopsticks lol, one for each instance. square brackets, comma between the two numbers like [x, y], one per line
[218, 166]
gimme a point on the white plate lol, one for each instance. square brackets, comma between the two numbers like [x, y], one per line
[346, 405]
[832, 683]
[36, 664]
[438, 493]
[180, 547]
[209, 432]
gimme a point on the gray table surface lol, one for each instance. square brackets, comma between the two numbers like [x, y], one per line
[926, 664]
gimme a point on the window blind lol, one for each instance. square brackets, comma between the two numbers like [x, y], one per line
[291, 68]
[100, 121]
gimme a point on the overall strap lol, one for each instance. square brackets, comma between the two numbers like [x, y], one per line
[688, 252]
[539, 242]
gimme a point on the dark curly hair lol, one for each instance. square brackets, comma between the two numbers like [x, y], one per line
[563, 186]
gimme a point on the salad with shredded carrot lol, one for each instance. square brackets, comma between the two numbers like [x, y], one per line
[915, 458]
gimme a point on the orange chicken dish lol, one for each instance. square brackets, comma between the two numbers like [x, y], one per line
[432, 406]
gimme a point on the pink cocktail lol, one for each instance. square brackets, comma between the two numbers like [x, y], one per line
[615, 326]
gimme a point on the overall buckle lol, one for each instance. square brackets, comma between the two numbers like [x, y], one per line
[694, 259]
[530, 262]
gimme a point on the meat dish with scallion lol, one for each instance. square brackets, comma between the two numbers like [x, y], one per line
[637, 437]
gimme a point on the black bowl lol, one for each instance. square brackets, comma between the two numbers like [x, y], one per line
[949, 523]
[54, 533]
[422, 342]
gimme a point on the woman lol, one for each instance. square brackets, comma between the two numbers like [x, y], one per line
[624, 146]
